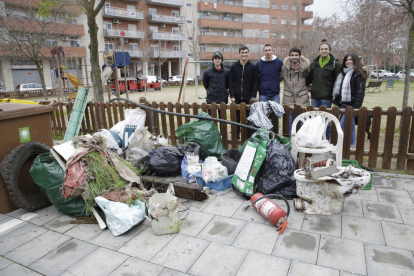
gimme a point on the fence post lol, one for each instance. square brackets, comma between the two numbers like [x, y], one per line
[349, 116]
[375, 135]
[360, 135]
[389, 138]
[410, 162]
[404, 134]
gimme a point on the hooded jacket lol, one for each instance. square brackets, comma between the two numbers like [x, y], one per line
[216, 82]
[295, 90]
[357, 84]
[244, 81]
[323, 79]
[269, 76]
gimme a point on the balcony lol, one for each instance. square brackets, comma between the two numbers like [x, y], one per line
[136, 53]
[135, 1]
[168, 54]
[226, 8]
[167, 3]
[229, 55]
[166, 19]
[122, 13]
[307, 2]
[237, 39]
[34, 26]
[307, 15]
[128, 34]
[235, 25]
[166, 36]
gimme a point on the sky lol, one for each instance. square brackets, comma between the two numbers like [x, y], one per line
[325, 8]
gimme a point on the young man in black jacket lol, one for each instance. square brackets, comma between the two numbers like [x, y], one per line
[244, 81]
[216, 81]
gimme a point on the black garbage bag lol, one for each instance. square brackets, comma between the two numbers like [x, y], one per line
[193, 147]
[165, 161]
[276, 174]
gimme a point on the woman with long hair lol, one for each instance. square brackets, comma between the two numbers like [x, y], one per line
[349, 88]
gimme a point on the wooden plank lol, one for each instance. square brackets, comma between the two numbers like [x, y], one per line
[187, 111]
[404, 136]
[213, 114]
[223, 126]
[55, 129]
[121, 108]
[334, 132]
[243, 120]
[102, 107]
[195, 108]
[375, 136]
[93, 117]
[59, 123]
[156, 119]
[172, 124]
[87, 118]
[285, 121]
[179, 118]
[389, 138]
[360, 135]
[410, 163]
[148, 119]
[204, 107]
[346, 151]
[109, 114]
[115, 112]
[98, 114]
[233, 117]
[62, 118]
[297, 110]
[164, 121]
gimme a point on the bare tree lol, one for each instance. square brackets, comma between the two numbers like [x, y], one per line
[24, 34]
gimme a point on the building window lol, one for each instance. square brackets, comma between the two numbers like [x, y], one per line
[107, 4]
[273, 35]
[283, 50]
[216, 48]
[190, 38]
[215, 32]
[51, 42]
[152, 11]
[72, 20]
[274, 50]
[109, 46]
[188, 4]
[74, 41]
[176, 48]
[294, 7]
[175, 13]
[189, 21]
[229, 3]
[284, 7]
[133, 46]
[274, 20]
[282, 36]
[108, 25]
[19, 14]
[274, 6]
[293, 22]
[175, 30]
[202, 32]
[215, 17]
[203, 48]
[283, 21]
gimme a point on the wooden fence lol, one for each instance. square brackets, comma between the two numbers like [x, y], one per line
[26, 94]
[391, 128]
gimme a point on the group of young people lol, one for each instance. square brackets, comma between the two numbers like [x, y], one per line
[341, 83]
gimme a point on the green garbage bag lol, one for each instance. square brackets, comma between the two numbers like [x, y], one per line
[284, 141]
[204, 133]
[48, 175]
[262, 134]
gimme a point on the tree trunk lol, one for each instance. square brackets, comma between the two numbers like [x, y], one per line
[42, 77]
[94, 59]
[408, 64]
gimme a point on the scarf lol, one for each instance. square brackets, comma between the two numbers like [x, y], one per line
[324, 61]
[343, 85]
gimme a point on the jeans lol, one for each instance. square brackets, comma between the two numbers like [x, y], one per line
[327, 104]
[275, 98]
[342, 122]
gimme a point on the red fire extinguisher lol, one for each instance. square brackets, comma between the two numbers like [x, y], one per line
[273, 213]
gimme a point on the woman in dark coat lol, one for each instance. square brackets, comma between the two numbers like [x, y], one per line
[349, 88]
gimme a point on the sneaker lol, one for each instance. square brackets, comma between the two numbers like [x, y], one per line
[353, 148]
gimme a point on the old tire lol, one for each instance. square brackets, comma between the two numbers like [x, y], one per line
[14, 168]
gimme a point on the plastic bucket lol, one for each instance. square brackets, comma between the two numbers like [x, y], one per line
[163, 209]
[230, 159]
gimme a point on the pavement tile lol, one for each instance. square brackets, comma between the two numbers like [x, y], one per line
[399, 235]
[108, 240]
[411, 193]
[295, 220]
[304, 269]
[100, 262]
[16, 213]
[4, 263]
[407, 214]
[20, 236]
[353, 207]
[362, 229]
[201, 205]
[3, 217]
[60, 224]
[329, 225]
[170, 272]
[263, 265]
[37, 248]
[10, 224]
[222, 229]
[219, 259]
[85, 232]
[342, 254]
[394, 196]
[402, 184]
[345, 273]
[181, 253]
[145, 245]
[384, 261]
[137, 267]
[194, 223]
[45, 215]
[297, 245]
[250, 239]
[230, 194]
[380, 181]
[249, 215]
[381, 211]
[18, 270]
[223, 206]
[63, 258]
[370, 195]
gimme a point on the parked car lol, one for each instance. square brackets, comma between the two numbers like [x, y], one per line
[382, 73]
[401, 74]
[151, 79]
[177, 80]
[30, 87]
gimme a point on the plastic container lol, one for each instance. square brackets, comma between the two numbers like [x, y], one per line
[346, 163]
[230, 159]
[166, 221]
[217, 185]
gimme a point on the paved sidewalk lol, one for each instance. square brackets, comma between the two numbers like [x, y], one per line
[373, 236]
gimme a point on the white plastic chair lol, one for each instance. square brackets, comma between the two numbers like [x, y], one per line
[335, 149]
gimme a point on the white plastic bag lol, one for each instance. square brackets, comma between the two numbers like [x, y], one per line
[124, 131]
[140, 146]
[311, 132]
[119, 216]
[213, 170]
[109, 139]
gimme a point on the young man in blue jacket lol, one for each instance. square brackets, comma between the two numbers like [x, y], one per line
[269, 67]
